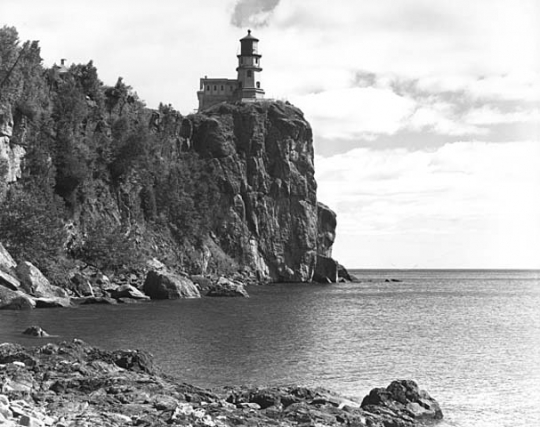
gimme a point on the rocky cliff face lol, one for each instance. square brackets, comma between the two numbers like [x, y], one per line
[261, 157]
[10, 155]
[265, 221]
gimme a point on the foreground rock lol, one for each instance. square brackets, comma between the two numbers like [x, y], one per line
[73, 384]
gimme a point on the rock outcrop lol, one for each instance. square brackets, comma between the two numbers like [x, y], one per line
[258, 158]
[227, 288]
[326, 270]
[261, 157]
[10, 155]
[73, 384]
[402, 399]
[163, 284]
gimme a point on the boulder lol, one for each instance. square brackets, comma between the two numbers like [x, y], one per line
[162, 284]
[403, 398]
[227, 288]
[9, 281]
[326, 270]
[15, 300]
[128, 291]
[35, 283]
[35, 331]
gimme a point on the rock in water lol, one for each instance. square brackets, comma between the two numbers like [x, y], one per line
[403, 397]
[35, 331]
[162, 284]
[227, 288]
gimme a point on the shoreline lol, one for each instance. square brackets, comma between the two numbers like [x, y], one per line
[74, 384]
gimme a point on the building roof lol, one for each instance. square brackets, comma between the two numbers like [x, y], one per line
[249, 37]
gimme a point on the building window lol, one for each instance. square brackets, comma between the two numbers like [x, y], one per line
[221, 87]
[249, 73]
[258, 85]
[215, 87]
[207, 87]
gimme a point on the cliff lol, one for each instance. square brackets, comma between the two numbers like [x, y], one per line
[90, 176]
[261, 157]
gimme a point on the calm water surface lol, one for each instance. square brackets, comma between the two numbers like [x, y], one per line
[471, 338]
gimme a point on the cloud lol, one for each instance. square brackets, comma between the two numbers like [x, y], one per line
[463, 193]
[486, 115]
[348, 113]
[253, 13]
[441, 118]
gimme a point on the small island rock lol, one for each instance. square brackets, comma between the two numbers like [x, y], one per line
[35, 331]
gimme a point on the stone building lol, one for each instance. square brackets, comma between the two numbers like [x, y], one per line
[246, 87]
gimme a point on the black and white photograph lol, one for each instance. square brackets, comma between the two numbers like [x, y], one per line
[289, 213]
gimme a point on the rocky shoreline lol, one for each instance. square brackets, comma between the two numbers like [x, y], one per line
[72, 384]
[23, 286]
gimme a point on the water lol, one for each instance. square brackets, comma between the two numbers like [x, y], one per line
[471, 338]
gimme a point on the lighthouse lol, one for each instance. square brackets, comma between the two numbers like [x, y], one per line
[246, 87]
[249, 65]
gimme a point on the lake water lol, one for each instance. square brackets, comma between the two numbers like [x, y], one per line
[470, 338]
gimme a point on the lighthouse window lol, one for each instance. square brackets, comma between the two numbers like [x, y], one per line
[249, 73]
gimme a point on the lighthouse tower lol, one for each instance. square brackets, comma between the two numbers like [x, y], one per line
[249, 64]
[245, 87]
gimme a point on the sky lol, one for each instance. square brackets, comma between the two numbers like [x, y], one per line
[425, 113]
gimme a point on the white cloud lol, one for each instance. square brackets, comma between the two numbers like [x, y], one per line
[441, 118]
[486, 115]
[461, 194]
[351, 112]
